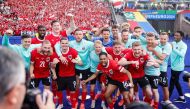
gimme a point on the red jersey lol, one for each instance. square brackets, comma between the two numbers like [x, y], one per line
[67, 70]
[137, 71]
[53, 40]
[116, 57]
[36, 41]
[41, 64]
[113, 70]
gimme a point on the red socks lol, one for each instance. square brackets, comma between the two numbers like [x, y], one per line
[73, 99]
[60, 97]
[92, 94]
[68, 92]
[84, 96]
[148, 100]
[102, 96]
[155, 106]
[77, 93]
[130, 99]
[54, 88]
[111, 105]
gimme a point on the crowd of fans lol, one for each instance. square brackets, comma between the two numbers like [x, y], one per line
[25, 15]
[157, 6]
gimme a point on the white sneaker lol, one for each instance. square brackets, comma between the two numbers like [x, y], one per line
[60, 106]
[103, 105]
[93, 104]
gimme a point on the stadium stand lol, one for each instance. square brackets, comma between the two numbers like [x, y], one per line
[26, 15]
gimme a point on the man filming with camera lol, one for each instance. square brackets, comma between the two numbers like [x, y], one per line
[12, 83]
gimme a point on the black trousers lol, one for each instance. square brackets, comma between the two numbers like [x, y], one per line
[174, 81]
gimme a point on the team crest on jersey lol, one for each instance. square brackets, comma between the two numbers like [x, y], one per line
[111, 71]
[70, 57]
[47, 59]
[116, 59]
[83, 48]
[122, 54]
[141, 60]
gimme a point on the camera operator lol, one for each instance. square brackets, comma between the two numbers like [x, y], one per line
[12, 83]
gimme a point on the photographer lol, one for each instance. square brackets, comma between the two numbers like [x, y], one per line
[12, 83]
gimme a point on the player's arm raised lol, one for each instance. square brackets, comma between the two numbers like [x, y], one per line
[72, 25]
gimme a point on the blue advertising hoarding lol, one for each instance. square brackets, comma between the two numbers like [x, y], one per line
[161, 16]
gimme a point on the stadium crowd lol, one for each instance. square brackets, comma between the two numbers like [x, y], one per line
[158, 6]
[26, 15]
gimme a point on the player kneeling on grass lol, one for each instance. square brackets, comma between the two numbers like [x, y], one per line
[40, 65]
[118, 77]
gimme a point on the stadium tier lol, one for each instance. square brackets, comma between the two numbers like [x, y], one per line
[26, 15]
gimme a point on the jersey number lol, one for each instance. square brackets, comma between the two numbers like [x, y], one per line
[156, 81]
[42, 63]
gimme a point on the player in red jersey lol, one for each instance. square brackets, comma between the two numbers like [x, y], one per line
[118, 77]
[40, 36]
[117, 52]
[57, 32]
[55, 37]
[136, 61]
[66, 75]
[40, 65]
